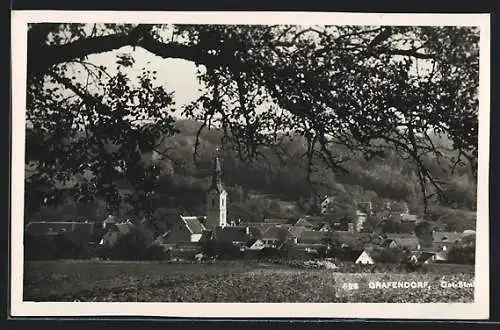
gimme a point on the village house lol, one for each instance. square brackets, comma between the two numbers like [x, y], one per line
[310, 248]
[115, 231]
[365, 207]
[304, 222]
[312, 237]
[357, 256]
[264, 226]
[408, 218]
[323, 227]
[364, 258]
[276, 236]
[352, 240]
[443, 241]
[255, 245]
[422, 257]
[262, 243]
[197, 228]
[238, 236]
[326, 204]
[400, 240]
[296, 231]
[186, 229]
[360, 220]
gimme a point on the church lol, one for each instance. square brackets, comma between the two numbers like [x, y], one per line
[196, 228]
[216, 199]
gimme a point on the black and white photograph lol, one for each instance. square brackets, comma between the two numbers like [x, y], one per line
[192, 159]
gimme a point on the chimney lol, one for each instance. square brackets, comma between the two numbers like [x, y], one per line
[247, 230]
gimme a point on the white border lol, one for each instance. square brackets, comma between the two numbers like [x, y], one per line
[477, 310]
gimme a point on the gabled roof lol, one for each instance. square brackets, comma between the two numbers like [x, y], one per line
[193, 224]
[387, 242]
[232, 234]
[404, 240]
[365, 252]
[251, 242]
[321, 225]
[304, 222]
[276, 232]
[424, 256]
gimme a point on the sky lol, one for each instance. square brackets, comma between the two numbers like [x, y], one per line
[179, 76]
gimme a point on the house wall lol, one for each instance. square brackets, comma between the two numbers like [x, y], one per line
[361, 218]
[393, 245]
[364, 258]
[195, 237]
[258, 245]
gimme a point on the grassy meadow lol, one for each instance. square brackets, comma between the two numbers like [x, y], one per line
[225, 282]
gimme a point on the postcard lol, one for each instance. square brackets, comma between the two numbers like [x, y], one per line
[250, 164]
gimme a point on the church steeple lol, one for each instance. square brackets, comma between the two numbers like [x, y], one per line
[216, 197]
[217, 173]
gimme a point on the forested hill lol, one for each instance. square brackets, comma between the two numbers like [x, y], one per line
[276, 184]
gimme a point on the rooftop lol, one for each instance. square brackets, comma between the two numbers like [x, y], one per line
[193, 224]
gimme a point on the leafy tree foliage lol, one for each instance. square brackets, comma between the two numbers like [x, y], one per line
[423, 231]
[464, 251]
[345, 91]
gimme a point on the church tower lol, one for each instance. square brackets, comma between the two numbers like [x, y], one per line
[216, 203]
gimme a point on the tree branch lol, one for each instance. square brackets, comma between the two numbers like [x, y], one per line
[42, 56]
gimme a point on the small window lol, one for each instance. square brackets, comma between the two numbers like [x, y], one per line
[213, 202]
[222, 202]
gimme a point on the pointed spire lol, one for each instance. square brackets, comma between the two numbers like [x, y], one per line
[217, 171]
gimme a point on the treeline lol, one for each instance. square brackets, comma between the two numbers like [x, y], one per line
[273, 185]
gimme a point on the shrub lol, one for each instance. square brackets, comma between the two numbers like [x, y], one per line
[155, 252]
[222, 249]
[389, 255]
[38, 248]
[267, 253]
[462, 255]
